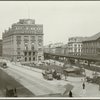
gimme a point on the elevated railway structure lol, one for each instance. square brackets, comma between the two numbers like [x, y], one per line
[88, 59]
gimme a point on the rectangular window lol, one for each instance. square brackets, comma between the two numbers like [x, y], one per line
[25, 53]
[39, 49]
[26, 38]
[39, 57]
[25, 58]
[75, 50]
[33, 58]
[32, 47]
[29, 58]
[33, 53]
[18, 53]
[18, 38]
[75, 45]
[18, 43]
[29, 53]
[33, 39]
[18, 57]
[39, 38]
[18, 49]
[98, 50]
[26, 47]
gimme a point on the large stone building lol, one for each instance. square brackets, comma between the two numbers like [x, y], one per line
[0, 47]
[91, 46]
[75, 45]
[24, 41]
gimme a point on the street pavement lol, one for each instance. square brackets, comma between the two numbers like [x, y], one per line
[7, 81]
[32, 79]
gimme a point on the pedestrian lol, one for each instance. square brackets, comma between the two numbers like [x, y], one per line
[54, 74]
[83, 85]
[15, 90]
[70, 94]
[15, 93]
[66, 75]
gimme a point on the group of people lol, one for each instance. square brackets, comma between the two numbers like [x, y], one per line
[11, 92]
[54, 73]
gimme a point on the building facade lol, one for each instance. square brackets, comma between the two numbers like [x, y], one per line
[49, 48]
[53, 48]
[57, 48]
[63, 49]
[0, 47]
[75, 45]
[24, 41]
[91, 46]
[66, 49]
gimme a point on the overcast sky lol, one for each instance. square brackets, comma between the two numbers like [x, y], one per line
[60, 19]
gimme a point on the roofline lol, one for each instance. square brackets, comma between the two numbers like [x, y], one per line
[91, 40]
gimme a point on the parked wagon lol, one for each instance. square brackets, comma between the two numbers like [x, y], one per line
[56, 75]
[3, 64]
[47, 75]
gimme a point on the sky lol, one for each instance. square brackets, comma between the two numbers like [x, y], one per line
[61, 19]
